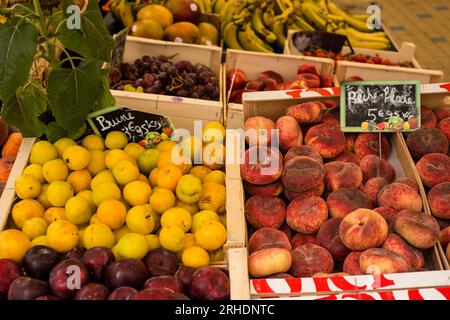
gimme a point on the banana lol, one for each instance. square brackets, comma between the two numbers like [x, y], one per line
[355, 23]
[376, 35]
[362, 17]
[313, 16]
[231, 8]
[126, 14]
[208, 6]
[250, 41]
[359, 36]
[369, 44]
[219, 5]
[278, 29]
[230, 36]
[268, 16]
[302, 24]
[260, 28]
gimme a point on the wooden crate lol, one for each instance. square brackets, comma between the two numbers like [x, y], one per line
[272, 108]
[347, 69]
[182, 111]
[235, 228]
[253, 63]
[432, 96]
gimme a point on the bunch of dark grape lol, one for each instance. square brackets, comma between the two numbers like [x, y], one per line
[160, 75]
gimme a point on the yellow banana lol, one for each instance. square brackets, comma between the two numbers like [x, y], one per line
[126, 14]
[302, 24]
[201, 4]
[369, 44]
[362, 17]
[268, 16]
[250, 41]
[313, 16]
[219, 5]
[208, 6]
[230, 36]
[229, 9]
[278, 29]
[376, 35]
[357, 24]
[260, 28]
[364, 37]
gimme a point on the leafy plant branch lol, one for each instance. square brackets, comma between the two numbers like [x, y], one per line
[41, 93]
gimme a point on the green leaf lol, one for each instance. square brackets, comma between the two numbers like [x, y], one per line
[73, 94]
[18, 39]
[105, 99]
[23, 108]
[54, 132]
[92, 41]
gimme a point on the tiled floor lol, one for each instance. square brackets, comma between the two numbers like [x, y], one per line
[426, 23]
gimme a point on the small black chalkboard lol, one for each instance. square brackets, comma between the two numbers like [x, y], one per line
[380, 106]
[138, 126]
[311, 40]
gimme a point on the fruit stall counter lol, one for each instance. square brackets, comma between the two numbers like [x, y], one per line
[391, 202]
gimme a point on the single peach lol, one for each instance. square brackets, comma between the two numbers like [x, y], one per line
[382, 261]
[442, 113]
[444, 126]
[373, 187]
[427, 118]
[302, 173]
[373, 166]
[258, 130]
[328, 140]
[351, 263]
[328, 237]
[265, 211]
[439, 200]
[289, 133]
[310, 259]
[400, 196]
[309, 80]
[411, 255]
[307, 112]
[363, 229]
[425, 141]
[419, 229]
[266, 238]
[261, 165]
[444, 236]
[369, 143]
[434, 168]
[340, 175]
[306, 215]
[343, 201]
[308, 68]
[266, 262]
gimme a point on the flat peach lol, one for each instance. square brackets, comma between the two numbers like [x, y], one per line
[328, 237]
[258, 128]
[409, 182]
[419, 229]
[261, 165]
[369, 143]
[382, 261]
[411, 255]
[306, 215]
[373, 166]
[265, 211]
[310, 259]
[340, 175]
[316, 191]
[302, 173]
[328, 140]
[439, 200]
[266, 262]
[300, 239]
[425, 141]
[266, 238]
[351, 263]
[302, 151]
[434, 168]
[428, 118]
[343, 201]
[373, 187]
[289, 133]
[400, 196]
[363, 229]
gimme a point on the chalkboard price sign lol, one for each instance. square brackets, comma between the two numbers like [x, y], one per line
[380, 106]
[144, 128]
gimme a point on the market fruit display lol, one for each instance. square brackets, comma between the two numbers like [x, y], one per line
[332, 204]
[429, 147]
[162, 75]
[45, 274]
[174, 20]
[263, 25]
[68, 204]
[307, 76]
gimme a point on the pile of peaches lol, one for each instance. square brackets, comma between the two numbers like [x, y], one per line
[429, 147]
[308, 76]
[332, 205]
